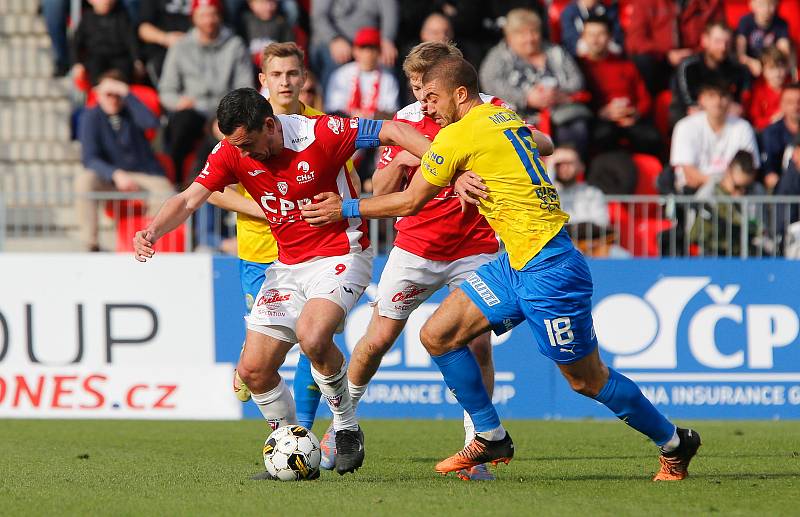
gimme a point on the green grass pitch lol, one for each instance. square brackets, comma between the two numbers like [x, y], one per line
[588, 468]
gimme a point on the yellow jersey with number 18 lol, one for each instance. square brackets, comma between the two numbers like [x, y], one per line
[494, 143]
[254, 238]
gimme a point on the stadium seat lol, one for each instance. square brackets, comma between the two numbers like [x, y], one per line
[646, 236]
[554, 19]
[789, 10]
[649, 167]
[173, 242]
[734, 10]
[661, 114]
[625, 12]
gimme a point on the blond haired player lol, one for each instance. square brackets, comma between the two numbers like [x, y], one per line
[440, 246]
[541, 278]
[282, 76]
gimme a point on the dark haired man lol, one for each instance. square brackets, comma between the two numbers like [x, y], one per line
[541, 277]
[283, 161]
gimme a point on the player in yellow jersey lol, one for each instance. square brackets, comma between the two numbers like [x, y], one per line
[282, 76]
[541, 279]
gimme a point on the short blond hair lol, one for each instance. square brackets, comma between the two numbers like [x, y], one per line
[521, 17]
[287, 49]
[422, 56]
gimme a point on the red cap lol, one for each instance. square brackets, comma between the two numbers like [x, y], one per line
[367, 37]
[204, 3]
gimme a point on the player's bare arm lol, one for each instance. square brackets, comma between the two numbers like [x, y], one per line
[328, 206]
[399, 133]
[175, 211]
[390, 178]
[230, 199]
[543, 142]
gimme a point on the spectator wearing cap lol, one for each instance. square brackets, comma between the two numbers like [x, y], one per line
[198, 71]
[161, 24]
[777, 138]
[115, 152]
[363, 88]
[704, 143]
[619, 96]
[336, 23]
[662, 33]
[573, 18]
[712, 64]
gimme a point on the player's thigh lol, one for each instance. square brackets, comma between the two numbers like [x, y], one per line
[318, 321]
[381, 334]
[262, 352]
[251, 275]
[407, 281]
[557, 301]
[455, 323]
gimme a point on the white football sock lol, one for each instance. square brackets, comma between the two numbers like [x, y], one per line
[356, 392]
[498, 433]
[334, 389]
[469, 429]
[277, 405]
[672, 444]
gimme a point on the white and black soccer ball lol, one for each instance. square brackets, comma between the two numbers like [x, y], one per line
[292, 453]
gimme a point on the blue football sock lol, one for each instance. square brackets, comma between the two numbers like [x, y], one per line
[306, 393]
[622, 396]
[463, 377]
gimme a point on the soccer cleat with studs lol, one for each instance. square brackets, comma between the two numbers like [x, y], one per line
[328, 449]
[349, 450]
[478, 451]
[675, 464]
[477, 473]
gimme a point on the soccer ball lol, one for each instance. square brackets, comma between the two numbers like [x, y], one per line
[291, 453]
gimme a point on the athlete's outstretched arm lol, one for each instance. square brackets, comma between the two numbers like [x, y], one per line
[402, 134]
[543, 142]
[328, 206]
[230, 199]
[172, 214]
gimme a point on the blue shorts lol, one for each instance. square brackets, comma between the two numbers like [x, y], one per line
[251, 275]
[553, 294]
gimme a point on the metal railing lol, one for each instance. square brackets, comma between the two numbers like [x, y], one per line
[640, 226]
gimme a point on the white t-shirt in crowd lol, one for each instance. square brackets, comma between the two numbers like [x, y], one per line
[340, 89]
[695, 143]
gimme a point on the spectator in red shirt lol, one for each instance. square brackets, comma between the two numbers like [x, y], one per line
[765, 103]
[661, 34]
[619, 96]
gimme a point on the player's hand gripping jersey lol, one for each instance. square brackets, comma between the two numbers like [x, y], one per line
[523, 206]
[313, 160]
[440, 231]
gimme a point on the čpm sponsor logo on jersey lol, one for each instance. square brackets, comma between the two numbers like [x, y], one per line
[642, 332]
[408, 293]
[284, 205]
[306, 174]
[483, 290]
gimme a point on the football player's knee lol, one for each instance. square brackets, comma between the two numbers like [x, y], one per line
[585, 386]
[257, 378]
[314, 345]
[434, 341]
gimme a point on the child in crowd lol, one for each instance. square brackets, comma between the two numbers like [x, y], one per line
[262, 24]
[765, 101]
[758, 30]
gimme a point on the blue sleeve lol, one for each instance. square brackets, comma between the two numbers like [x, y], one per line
[142, 116]
[746, 25]
[569, 33]
[92, 154]
[368, 131]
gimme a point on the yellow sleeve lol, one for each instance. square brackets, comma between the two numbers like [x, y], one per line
[443, 159]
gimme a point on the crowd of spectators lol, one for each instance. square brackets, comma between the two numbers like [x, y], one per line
[607, 79]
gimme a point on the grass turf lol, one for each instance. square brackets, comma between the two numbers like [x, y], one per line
[196, 468]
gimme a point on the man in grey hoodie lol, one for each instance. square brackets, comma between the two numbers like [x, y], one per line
[198, 71]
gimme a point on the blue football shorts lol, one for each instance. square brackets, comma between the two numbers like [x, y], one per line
[554, 295]
[251, 275]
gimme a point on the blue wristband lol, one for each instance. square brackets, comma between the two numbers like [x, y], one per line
[350, 208]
